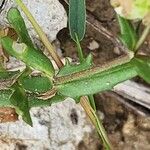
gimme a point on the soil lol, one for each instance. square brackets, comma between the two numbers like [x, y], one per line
[126, 129]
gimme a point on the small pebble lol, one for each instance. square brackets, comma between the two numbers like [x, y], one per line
[93, 45]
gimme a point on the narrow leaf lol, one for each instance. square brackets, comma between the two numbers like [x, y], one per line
[16, 21]
[77, 18]
[19, 101]
[99, 82]
[7, 79]
[35, 102]
[128, 35]
[5, 98]
[143, 66]
[36, 84]
[70, 68]
[28, 55]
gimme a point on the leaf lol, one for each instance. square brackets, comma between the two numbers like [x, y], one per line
[19, 101]
[98, 82]
[30, 56]
[35, 102]
[4, 75]
[16, 21]
[77, 18]
[128, 35]
[5, 97]
[143, 67]
[70, 69]
[36, 84]
[16, 98]
[7, 79]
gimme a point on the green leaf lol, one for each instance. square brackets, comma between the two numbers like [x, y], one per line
[98, 82]
[7, 79]
[128, 35]
[70, 69]
[77, 18]
[143, 67]
[35, 102]
[19, 101]
[16, 21]
[4, 75]
[5, 98]
[28, 55]
[16, 98]
[36, 84]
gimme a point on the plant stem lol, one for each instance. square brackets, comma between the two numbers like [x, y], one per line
[41, 34]
[142, 38]
[81, 58]
[96, 122]
[88, 104]
[79, 49]
[92, 102]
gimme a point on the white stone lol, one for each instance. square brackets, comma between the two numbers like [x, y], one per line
[50, 15]
[93, 45]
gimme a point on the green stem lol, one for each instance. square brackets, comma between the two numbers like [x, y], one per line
[90, 106]
[81, 57]
[102, 133]
[79, 49]
[92, 102]
[142, 38]
[97, 123]
[41, 34]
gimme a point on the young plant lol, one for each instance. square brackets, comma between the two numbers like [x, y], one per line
[22, 90]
